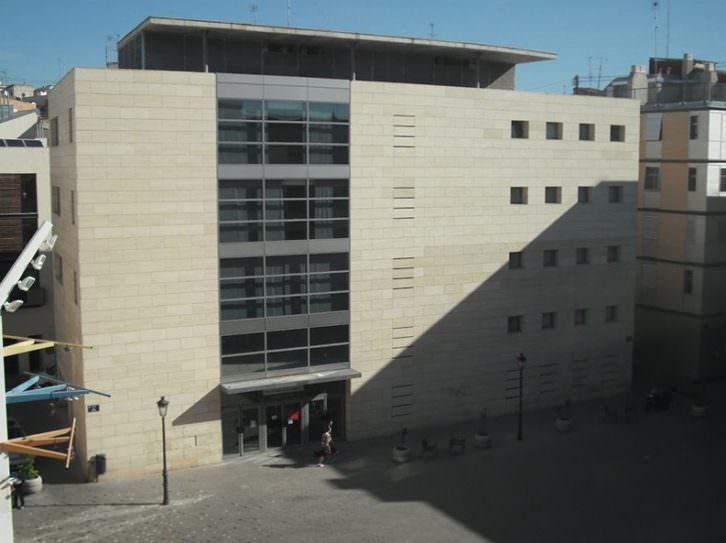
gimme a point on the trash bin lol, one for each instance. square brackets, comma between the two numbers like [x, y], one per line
[100, 462]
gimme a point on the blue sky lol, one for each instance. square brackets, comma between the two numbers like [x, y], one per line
[44, 39]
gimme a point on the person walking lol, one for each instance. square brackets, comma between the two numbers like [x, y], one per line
[17, 491]
[326, 443]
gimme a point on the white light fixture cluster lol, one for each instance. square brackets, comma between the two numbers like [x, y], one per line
[45, 244]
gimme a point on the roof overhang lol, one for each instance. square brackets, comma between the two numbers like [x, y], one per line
[494, 53]
[289, 381]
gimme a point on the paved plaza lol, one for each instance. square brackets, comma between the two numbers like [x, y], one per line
[658, 479]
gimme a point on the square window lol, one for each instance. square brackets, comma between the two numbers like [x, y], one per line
[553, 195]
[554, 131]
[692, 176]
[615, 194]
[688, 282]
[652, 179]
[584, 195]
[611, 313]
[520, 129]
[549, 257]
[722, 181]
[693, 131]
[587, 132]
[613, 253]
[548, 321]
[515, 261]
[518, 195]
[617, 132]
[514, 324]
[580, 317]
[582, 256]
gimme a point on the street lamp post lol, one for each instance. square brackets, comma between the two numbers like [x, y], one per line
[162, 404]
[521, 359]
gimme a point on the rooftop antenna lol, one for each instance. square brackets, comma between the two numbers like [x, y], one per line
[589, 71]
[253, 12]
[668, 30]
[656, 10]
[431, 31]
[289, 11]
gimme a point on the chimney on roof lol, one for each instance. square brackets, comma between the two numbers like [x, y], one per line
[638, 83]
[687, 66]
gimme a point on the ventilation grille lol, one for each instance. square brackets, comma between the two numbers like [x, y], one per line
[404, 131]
[404, 270]
[404, 203]
[401, 401]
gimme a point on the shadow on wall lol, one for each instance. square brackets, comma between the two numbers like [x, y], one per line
[204, 410]
[573, 320]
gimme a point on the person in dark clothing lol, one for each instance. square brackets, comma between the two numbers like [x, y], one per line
[17, 491]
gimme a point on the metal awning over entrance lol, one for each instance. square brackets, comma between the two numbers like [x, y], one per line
[287, 381]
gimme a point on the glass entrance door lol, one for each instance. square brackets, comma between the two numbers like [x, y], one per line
[230, 426]
[317, 419]
[293, 422]
[273, 417]
[250, 429]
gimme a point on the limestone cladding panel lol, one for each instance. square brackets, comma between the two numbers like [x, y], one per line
[438, 350]
[146, 257]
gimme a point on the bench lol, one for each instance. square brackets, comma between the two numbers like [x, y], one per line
[457, 444]
[430, 448]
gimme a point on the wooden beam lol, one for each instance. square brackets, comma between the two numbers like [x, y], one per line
[7, 447]
[69, 452]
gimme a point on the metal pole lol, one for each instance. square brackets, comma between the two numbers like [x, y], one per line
[521, 382]
[164, 473]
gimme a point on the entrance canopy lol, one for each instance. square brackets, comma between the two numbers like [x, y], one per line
[287, 381]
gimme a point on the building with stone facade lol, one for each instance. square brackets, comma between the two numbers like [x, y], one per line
[25, 202]
[276, 227]
[681, 295]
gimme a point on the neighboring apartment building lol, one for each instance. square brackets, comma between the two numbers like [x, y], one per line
[272, 227]
[681, 300]
[25, 203]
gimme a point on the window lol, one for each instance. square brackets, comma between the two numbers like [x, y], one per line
[615, 194]
[55, 200]
[550, 258]
[617, 132]
[611, 313]
[75, 287]
[520, 129]
[515, 261]
[688, 282]
[548, 321]
[653, 127]
[692, 179]
[282, 132]
[554, 131]
[514, 324]
[58, 268]
[518, 195]
[693, 129]
[54, 131]
[722, 181]
[652, 179]
[587, 132]
[70, 125]
[584, 195]
[580, 317]
[73, 207]
[613, 253]
[582, 256]
[553, 195]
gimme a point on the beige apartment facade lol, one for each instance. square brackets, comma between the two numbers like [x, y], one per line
[681, 247]
[270, 251]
